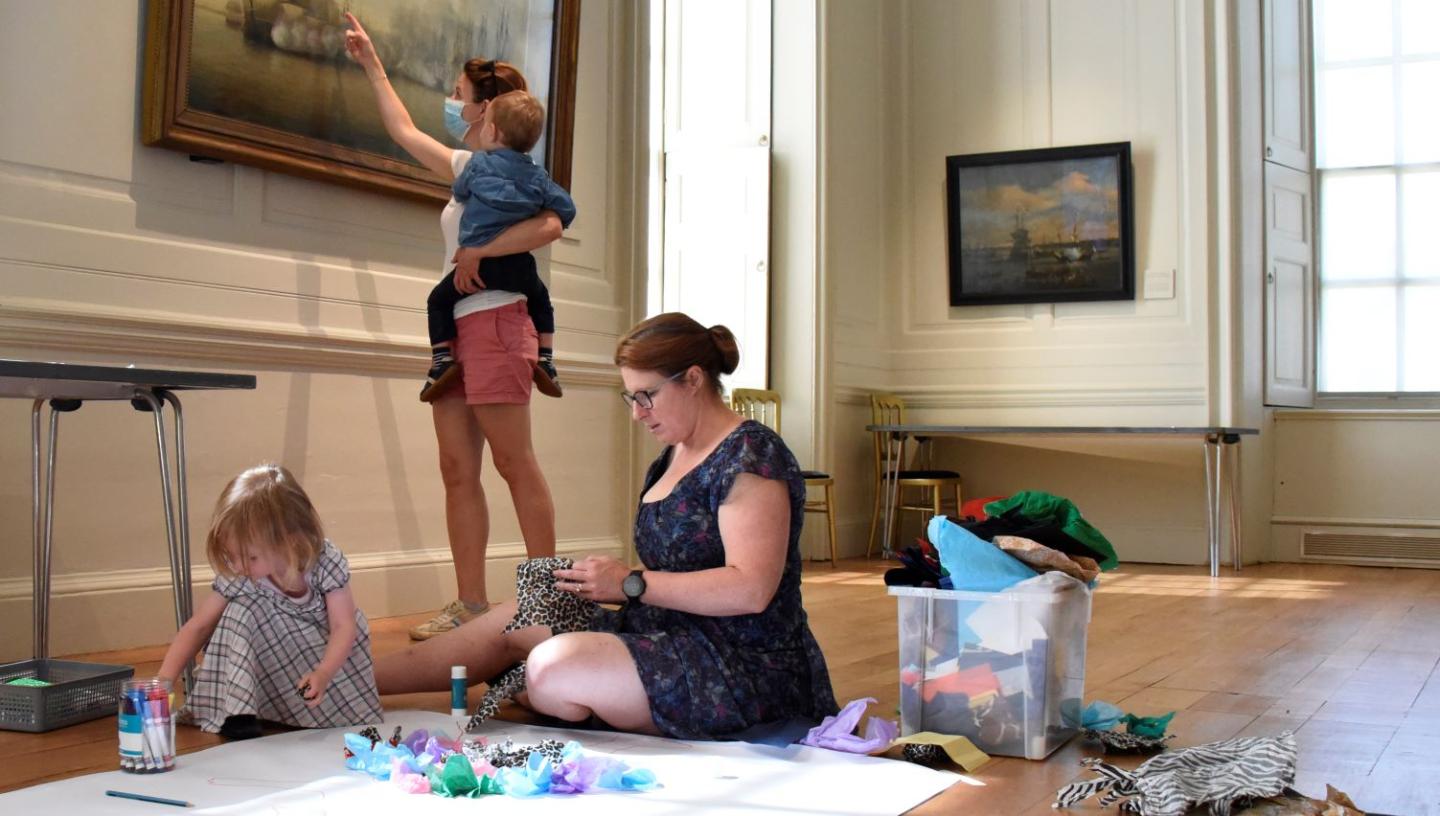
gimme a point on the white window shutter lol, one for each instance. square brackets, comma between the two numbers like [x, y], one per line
[716, 246]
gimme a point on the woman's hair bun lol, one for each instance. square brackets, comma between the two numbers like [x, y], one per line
[729, 350]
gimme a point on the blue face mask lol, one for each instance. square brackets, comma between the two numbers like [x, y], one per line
[454, 122]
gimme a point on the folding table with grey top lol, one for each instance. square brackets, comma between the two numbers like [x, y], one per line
[65, 387]
[1221, 471]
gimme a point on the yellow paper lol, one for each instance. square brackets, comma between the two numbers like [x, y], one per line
[959, 749]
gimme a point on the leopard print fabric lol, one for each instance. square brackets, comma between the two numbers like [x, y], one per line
[538, 603]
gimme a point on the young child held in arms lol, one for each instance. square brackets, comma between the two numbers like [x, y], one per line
[283, 639]
[499, 186]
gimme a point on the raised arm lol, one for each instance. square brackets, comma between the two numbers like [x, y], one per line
[754, 528]
[419, 144]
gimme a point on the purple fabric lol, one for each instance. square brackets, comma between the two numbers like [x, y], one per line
[837, 733]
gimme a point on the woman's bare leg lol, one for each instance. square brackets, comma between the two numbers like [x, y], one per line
[467, 519]
[507, 429]
[481, 646]
[573, 676]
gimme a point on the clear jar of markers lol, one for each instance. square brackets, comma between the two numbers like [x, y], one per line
[147, 731]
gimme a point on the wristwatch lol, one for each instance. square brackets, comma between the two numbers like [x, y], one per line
[634, 585]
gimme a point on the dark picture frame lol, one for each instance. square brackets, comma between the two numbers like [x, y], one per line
[267, 83]
[1041, 226]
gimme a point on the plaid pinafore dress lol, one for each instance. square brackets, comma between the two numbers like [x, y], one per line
[266, 641]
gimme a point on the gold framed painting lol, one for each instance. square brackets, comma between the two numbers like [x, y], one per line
[267, 82]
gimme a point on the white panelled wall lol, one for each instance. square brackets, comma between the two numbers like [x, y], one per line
[911, 83]
[112, 252]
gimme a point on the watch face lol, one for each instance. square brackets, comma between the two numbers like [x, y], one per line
[633, 586]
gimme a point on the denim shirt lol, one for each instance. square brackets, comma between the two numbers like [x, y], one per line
[501, 188]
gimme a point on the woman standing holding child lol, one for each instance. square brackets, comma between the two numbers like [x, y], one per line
[495, 344]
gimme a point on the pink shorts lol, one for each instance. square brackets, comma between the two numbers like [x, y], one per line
[497, 350]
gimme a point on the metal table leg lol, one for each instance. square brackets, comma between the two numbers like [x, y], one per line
[147, 400]
[43, 514]
[1232, 441]
[40, 565]
[182, 503]
[1212, 501]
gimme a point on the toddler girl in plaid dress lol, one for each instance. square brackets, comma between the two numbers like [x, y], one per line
[283, 639]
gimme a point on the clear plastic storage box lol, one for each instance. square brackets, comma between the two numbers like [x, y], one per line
[997, 667]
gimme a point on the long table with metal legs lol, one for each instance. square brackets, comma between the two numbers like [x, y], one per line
[65, 388]
[1221, 469]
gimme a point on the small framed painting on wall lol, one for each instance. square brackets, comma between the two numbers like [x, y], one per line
[1041, 226]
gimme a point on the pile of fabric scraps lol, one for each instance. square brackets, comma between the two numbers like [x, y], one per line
[991, 666]
[466, 768]
[537, 603]
[1220, 775]
[979, 694]
[1028, 534]
[1046, 519]
[1142, 735]
[920, 566]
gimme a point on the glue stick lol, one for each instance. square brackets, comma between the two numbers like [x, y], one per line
[457, 691]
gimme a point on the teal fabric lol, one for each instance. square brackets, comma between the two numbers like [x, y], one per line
[974, 564]
[1047, 508]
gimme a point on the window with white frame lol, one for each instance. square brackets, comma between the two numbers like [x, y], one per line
[1377, 122]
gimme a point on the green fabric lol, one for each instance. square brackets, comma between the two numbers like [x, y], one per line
[457, 779]
[1043, 507]
[1147, 726]
[27, 681]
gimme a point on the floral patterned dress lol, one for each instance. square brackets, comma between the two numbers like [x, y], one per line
[710, 676]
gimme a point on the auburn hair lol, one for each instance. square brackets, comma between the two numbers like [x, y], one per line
[491, 78]
[264, 508]
[520, 118]
[673, 342]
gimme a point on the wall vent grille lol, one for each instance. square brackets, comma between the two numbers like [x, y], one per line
[1419, 548]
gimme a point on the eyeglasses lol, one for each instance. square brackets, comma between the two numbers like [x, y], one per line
[645, 398]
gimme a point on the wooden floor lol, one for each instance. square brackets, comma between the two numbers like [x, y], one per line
[1344, 656]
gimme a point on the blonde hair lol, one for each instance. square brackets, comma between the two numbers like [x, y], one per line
[520, 118]
[266, 508]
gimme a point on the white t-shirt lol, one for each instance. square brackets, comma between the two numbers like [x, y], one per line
[450, 227]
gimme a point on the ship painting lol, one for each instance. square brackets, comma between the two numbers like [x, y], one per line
[1052, 229]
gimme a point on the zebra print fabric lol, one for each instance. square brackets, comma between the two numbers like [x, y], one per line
[1219, 774]
[1121, 742]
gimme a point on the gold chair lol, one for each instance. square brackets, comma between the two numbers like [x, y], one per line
[888, 409]
[763, 406]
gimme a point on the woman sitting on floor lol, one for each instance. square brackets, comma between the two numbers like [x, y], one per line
[712, 638]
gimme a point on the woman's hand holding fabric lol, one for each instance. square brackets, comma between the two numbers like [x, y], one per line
[596, 578]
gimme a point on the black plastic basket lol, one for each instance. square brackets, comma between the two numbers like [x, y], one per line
[78, 692]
